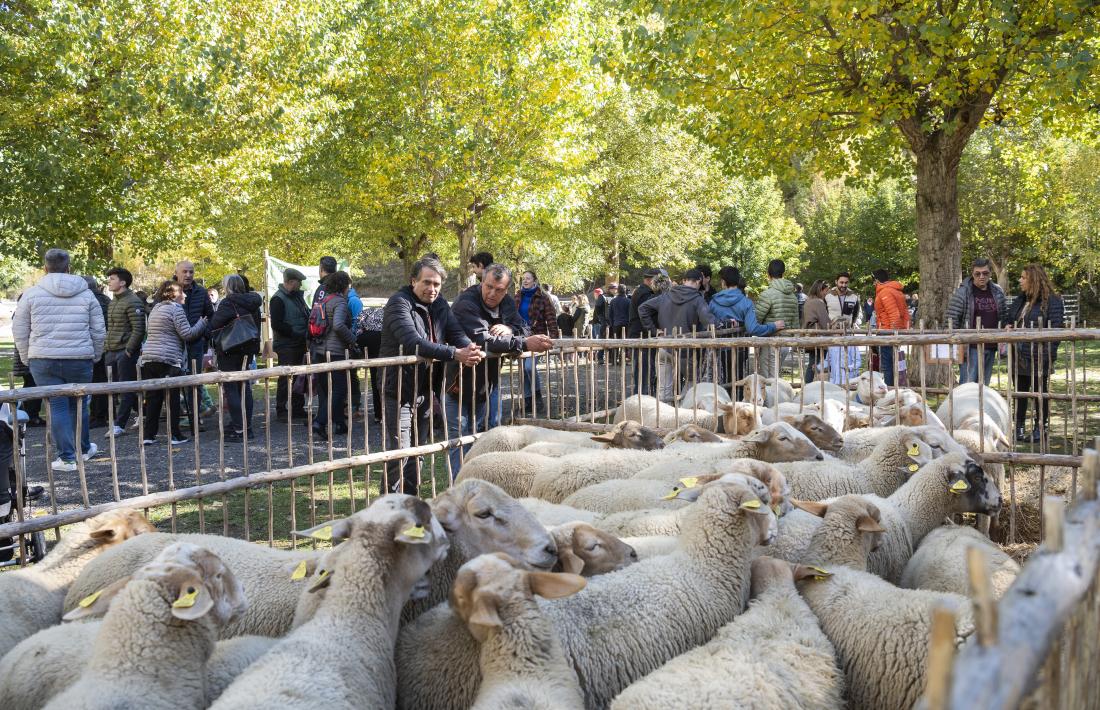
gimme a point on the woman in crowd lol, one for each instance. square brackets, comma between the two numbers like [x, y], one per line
[337, 340]
[1036, 306]
[537, 312]
[815, 316]
[162, 356]
[237, 303]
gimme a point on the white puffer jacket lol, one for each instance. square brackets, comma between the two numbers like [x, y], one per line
[59, 319]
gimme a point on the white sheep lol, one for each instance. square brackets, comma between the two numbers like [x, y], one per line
[849, 531]
[961, 410]
[588, 551]
[32, 598]
[551, 514]
[624, 624]
[895, 458]
[940, 562]
[646, 546]
[512, 471]
[762, 390]
[704, 395]
[521, 660]
[830, 411]
[158, 634]
[772, 656]
[481, 518]
[692, 434]
[860, 443]
[515, 438]
[651, 412]
[869, 387]
[880, 633]
[343, 657]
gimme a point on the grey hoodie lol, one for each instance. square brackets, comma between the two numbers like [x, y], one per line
[681, 307]
[59, 318]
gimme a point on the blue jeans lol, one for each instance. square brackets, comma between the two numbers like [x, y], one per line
[886, 363]
[968, 371]
[63, 409]
[597, 333]
[494, 406]
[531, 378]
[460, 423]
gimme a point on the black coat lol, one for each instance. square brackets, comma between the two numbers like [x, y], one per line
[619, 312]
[196, 306]
[476, 320]
[409, 327]
[234, 305]
[641, 294]
[1023, 317]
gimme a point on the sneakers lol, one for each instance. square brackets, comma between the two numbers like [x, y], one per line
[61, 465]
[148, 442]
[177, 440]
[92, 451]
[116, 430]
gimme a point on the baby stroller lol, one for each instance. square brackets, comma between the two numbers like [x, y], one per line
[36, 542]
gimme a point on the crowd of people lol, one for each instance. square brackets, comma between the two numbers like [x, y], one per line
[67, 331]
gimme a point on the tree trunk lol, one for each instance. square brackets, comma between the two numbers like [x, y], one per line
[467, 233]
[611, 267]
[938, 238]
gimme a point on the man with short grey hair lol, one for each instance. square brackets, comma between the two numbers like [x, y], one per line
[60, 333]
[978, 302]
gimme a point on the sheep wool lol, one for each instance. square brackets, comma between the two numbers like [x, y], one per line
[772, 656]
[32, 598]
[623, 625]
[940, 563]
[513, 471]
[551, 514]
[623, 494]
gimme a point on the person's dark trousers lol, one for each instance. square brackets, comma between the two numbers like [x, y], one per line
[339, 397]
[372, 344]
[237, 363]
[154, 400]
[98, 411]
[123, 368]
[289, 357]
[33, 407]
[597, 333]
[886, 363]
[616, 333]
[402, 474]
[645, 371]
[813, 359]
[1032, 382]
[356, 390]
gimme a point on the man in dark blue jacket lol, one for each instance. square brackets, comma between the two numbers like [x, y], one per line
[417, 321]
[197, 305]
[489, 318]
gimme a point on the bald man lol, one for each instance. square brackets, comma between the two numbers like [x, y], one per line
[197, 305]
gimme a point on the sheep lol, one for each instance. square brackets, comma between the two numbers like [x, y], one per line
[693, 434]
[950, 484]
[849, 531]
[940, 562]
[772, 656]
[521, 660]
[870, 387]
[761, 390]
[512, 471]
[895, 457]
[479, 518]
[829, 411]
[551, 514]
[777, 442]
[158, 633]
[624, 624]
[515, 438]
[261, 569]
[880, 633]
[704, 395]
[860, 444]
[588, 551]
[960, 409]
[624, 435]
[343, 657]
[32, 598]
[824, 435]
[722, 416]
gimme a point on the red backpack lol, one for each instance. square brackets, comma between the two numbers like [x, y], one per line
[318, 318]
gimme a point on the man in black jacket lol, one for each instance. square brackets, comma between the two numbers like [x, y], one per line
[599, 319]
[417, 321]
[683, 308]
[197, 305]
[290, 325]
[489, 318]
[643, 358]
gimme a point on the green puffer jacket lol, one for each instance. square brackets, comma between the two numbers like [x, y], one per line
[125, 323]
[778, 302]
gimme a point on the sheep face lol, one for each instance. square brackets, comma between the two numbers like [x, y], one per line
[818, 431]
[754, 390]
[693, 434]
[630, 434]
[939, 440]
[782, 442]
[989, 429]
[487, 584]
[484, 519]
[973, 489]
[586, 550]
[117, 526]
[739, 417]
[857, 518]
[870, 386]
[731, 494]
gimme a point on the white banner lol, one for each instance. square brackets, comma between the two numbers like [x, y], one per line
[276, 267]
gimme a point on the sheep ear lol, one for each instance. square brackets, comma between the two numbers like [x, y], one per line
[806, 572]
[811, 506]
[551, 585]
[605, 438]
[570, 562]
[194, 599]
[483, 616]
[320, 580]
[726, 407]
[866, 523]
[688, 494]
[114, 532]
[96, 603]
[335, 530]
[758, 436]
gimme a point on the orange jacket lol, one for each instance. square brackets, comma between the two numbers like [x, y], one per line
[891, 312]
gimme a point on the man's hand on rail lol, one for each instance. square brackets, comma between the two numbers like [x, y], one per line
[538, 343]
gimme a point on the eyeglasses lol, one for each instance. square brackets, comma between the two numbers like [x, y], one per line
[981, 273]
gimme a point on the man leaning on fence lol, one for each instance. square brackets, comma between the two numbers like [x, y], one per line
[683, 308]
[978, 301]
[59, 332]
[417, 321]
[489, 317]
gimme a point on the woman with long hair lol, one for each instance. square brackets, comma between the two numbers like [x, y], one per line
[537, 312]
[1036, 306]
[815, 316]
[238, 302]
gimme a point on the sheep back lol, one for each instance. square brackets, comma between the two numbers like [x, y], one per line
[513, 471]
[940, 563]
[623, 494]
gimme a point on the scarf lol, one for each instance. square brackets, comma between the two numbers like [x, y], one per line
[526, 296]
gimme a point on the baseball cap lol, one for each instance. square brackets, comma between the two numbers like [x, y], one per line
[693, 275]
[650, 273]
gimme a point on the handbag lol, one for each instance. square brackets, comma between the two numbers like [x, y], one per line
[239, 333]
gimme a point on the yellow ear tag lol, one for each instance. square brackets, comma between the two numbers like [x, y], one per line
[187, 599]
[322, 573]
[90, 599]
[751, 504]
[776, 509]
[672, 494]
[960, 486]
[324, 533]
[416, 531]
[914, 450]
[913, 468]
[299, 571]
[821, 575]
[689, 482]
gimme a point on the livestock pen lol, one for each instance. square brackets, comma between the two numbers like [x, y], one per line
[283, 477]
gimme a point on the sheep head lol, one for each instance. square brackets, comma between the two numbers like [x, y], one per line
[816, 430]
[117, 526]
[852, 524]
[630, 434]
[972, 489]
[988, 429]
[586, 550]
[489, 583]
[693, 434]
[733, 495]
[769, 573]
[739, 417]
[782, 442]
[482, 518]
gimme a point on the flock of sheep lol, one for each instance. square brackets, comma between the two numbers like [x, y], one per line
[793, 562]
